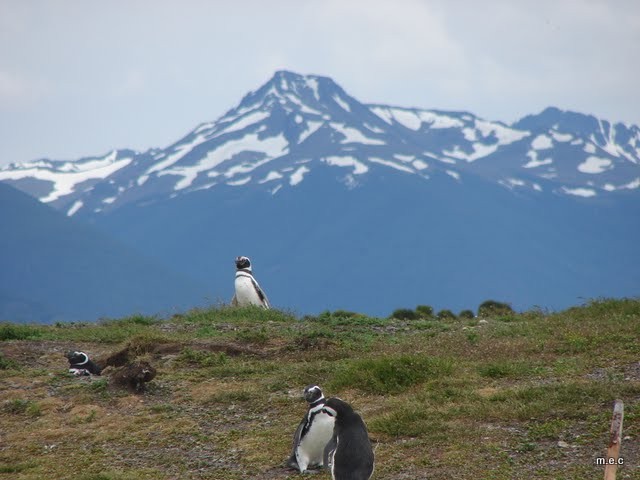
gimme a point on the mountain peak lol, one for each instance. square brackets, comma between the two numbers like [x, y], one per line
[286, 87]
[295, 123]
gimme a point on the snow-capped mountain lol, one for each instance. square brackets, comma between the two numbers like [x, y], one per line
[362, 207]
[293, 124]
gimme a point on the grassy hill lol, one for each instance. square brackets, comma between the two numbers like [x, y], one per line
[512, 396]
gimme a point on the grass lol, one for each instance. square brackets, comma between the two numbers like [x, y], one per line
[462, 398]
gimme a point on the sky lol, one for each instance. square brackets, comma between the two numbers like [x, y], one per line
[81, 77]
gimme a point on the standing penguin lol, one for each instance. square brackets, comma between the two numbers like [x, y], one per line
[349, 452]
[248, 292]
[313, 433]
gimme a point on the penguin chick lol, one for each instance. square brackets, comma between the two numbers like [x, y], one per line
[134, 375]
[349, 451]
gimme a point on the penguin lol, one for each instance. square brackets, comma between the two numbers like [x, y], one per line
[80, 364]
[349, 451]
[248, 292]
[313, 433]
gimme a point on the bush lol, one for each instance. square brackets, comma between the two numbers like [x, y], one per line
[131, 320]
[199, 358]
[466, 314]
[345, 314]
[404, 314]
[21, 407]
[446, 315]
[390, 374]
[9, 331]
[491, 308]
[424, 311]
[7, 364]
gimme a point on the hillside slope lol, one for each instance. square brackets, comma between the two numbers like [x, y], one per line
[509, 397]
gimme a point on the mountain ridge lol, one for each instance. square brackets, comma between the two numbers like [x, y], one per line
[365, 207]
[278, 132]
[56, 268]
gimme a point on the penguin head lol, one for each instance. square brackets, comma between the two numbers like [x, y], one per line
[243, 263]
[338, 408]
[77, 358]
[312, 393]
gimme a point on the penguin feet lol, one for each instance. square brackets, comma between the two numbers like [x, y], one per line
[292, 463]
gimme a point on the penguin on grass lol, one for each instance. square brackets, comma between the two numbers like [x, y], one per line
[313, 433]
[348, 454]
[247, 290]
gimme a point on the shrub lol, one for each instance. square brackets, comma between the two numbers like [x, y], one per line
[411, 420]
[492, 308]
[466, 314]
[404, 314]
[390, 374]
[19, 407]
[446, 315]
[136, 319]
[7, 364]
[345, 314]
[201, 359]
[9, 331]
[424, 311]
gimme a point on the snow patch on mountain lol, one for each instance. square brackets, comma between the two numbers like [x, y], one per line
[271, 147]
[312, 127]
[561, 137]
[480, 150]
[344, 105]
[68, 174]
[391, 164]
[542, 142]
[296, 177]
[580, 192]
[240, 182]
[420, 164]
[534, 162]
[272, 175]
[594, 165]
[352, 135]
[628, 186]
[249, 119]
[77, 205]
[504, 134]
[415, 118]
[359, 168]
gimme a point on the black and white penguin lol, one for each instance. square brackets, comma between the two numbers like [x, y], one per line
[81, 364]
[248, 292]
[349, 451]
[313, 433]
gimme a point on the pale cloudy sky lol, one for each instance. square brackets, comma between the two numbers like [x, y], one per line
[81, 77]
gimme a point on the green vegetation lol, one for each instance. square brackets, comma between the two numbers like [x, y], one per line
[424, 311]
[491, 308]
[505, 395]
[446, 315]
[405, 314]
[466, 314]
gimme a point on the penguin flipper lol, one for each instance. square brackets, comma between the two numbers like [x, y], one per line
[261, 294]
[293, 459]
[329, 449]
[234, 301]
